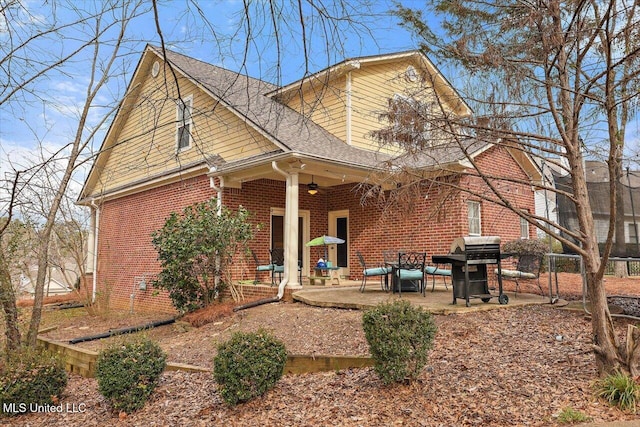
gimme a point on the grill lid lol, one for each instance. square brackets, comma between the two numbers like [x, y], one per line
[459, 245]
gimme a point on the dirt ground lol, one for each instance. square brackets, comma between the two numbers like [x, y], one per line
[507, 367]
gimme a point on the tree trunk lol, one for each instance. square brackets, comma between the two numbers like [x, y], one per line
[38, 297]
[8, 302]
[605, 342]
[631, 350]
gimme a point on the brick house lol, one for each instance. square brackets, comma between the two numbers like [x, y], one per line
[187, 131]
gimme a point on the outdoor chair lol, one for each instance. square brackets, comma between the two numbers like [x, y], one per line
[277, 259]
[261, 268]
[371, 272]
[390, 257]
[527, 268]
[410, 267]
[436, 271]
[390, 260]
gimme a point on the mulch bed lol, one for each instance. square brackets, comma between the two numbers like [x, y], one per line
[513, 366]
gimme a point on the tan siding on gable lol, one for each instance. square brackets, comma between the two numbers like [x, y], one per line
[372, 87]
[325, 100]
[324, 104]
[146, 144]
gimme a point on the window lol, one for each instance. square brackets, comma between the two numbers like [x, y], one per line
[633, 233]
[184, 109]
[474, 218]
[524, 228]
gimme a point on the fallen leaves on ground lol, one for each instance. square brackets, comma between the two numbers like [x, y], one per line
[508, 367]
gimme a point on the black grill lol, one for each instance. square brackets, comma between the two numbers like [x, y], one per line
[469, 257]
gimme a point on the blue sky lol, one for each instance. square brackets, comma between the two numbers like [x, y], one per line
[181, 33]
[50, 121]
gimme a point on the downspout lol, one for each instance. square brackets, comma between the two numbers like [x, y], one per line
[96, 226]
[285, 278]
[218, 190]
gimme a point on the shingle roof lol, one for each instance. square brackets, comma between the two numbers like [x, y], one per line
[287, 128]
[291, 131]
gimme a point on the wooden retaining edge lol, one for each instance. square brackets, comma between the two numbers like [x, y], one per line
[83, 362]
[301, 364]
[77, 360]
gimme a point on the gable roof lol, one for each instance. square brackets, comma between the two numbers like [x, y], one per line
[288, 129]
[255, 102]
[444, 86]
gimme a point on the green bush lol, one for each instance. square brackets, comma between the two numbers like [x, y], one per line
[128, 372]
[196, 250]
[248, 365]
[30, 377]
[400, 337]
[526, 246]
[619, 390]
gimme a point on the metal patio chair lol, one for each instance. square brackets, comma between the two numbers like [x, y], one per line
[527, 268]
[437, 271]
[371, 272]
[261, 268]
[410, 267]
[277, 259]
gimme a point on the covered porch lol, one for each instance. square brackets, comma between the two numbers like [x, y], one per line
[295, 199]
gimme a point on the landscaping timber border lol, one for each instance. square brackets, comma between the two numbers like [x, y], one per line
[83, 362]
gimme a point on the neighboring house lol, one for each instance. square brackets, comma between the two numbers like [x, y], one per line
[545, 198]
[55, 283]
[250, 143]
[597, 176]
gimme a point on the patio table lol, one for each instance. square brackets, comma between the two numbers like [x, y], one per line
[323, 274]
[392, 268]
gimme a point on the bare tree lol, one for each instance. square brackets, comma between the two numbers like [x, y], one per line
[12, 248]
[98, 35]
[101, 39]
[560, 82]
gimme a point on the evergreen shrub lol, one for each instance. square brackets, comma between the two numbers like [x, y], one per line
[400, 336]
[128, 372]
[248, 365]
[30, 377]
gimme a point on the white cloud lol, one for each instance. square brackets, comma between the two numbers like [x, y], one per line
[21, 156]
[68, 86]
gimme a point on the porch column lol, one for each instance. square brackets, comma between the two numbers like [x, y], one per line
[290, 226]
[291, 231]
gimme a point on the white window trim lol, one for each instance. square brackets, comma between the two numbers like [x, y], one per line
[524, 225]
[188, 102]
[628, 228]
[475, 203]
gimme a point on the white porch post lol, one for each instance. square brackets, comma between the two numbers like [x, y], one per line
[291, 231]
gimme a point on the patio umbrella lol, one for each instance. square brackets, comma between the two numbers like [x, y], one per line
[324, 241]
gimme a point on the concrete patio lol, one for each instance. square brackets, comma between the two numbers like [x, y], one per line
[347, 295]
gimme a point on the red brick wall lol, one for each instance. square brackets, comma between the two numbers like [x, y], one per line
[125, 250]
[437, 218]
